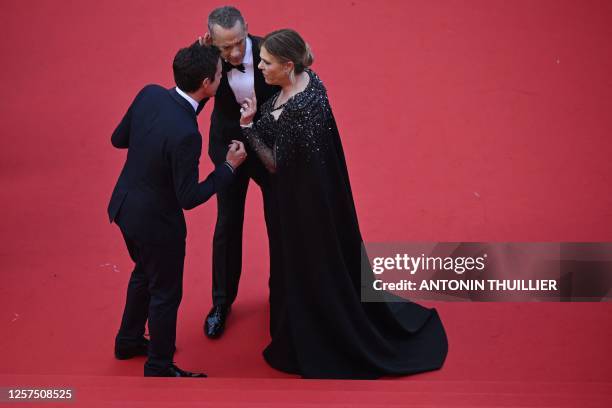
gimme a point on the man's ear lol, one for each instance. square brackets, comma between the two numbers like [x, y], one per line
[246, 27]
[207, 39]
[205, 83]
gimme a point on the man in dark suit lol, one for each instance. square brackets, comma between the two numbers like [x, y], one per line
[241, 79]
[159, 180]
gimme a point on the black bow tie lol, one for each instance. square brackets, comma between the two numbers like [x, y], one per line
[227, 67]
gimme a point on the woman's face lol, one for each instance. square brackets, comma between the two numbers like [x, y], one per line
[274, 71]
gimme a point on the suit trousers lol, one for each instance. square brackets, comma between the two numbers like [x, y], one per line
[227, 240]
[154, 293]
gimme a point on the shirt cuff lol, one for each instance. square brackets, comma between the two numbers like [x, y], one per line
[230, 166]
[250, 125]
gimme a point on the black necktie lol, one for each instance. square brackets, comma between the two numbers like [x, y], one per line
[227, 67]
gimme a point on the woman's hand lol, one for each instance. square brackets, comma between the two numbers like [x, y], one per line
[248, 110]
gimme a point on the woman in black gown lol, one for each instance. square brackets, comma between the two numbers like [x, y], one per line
[319, 326]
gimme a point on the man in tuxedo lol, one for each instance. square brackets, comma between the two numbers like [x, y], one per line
[159, 180]
[241, 79]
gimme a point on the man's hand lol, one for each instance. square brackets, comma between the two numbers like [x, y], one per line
[236, 154]
[206, 40]
[248, 110]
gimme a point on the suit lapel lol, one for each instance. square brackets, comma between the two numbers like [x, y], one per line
[225, 93]
[258, 78]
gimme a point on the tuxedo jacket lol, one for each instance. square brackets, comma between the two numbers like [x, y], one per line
[160, 175]
[225, 118]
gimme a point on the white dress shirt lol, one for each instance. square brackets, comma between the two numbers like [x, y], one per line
[189, 99]
[243, 83]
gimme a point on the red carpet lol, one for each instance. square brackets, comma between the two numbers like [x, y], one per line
[461, 121]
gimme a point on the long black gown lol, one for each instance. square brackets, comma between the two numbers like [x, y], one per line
[319, 326]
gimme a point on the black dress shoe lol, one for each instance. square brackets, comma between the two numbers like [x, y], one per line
[172, 371]
[215, 321]
[124, 352]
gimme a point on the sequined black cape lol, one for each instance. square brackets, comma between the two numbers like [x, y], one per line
[319, 326]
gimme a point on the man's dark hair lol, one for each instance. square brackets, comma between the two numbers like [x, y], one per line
[193, 64]
[225, 17]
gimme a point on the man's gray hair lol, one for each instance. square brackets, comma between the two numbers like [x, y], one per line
[225, 16]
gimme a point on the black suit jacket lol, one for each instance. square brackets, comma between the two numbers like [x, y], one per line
[160, 175]
[225, 118]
